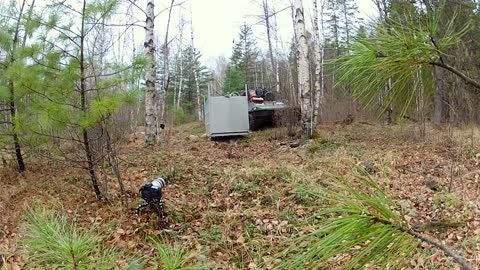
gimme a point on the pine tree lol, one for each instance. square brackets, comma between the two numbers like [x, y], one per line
[193, 72]
[70, 99]
[11, 42]
[245, 55]
[408, 50]
[341, 22]
[234, 80]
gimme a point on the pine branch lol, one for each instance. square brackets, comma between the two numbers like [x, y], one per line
[455, 71]
[448, 251]
[50, 99]
[459, 259]
[356, 215]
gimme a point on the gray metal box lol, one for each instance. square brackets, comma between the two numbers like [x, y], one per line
[226, 116]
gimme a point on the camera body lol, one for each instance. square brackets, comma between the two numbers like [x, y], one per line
[153, 190]
[152, 193]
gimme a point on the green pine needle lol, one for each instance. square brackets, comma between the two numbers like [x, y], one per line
[173, 257]
[400, 52]
[50, 241]
[359, 222]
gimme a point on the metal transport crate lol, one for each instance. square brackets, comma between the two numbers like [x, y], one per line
[226, 116]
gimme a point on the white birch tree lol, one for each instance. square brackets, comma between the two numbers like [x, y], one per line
[195, 75]
[151, 129]
[303, 70]
[319, 80]
[268, 26]
[162, 102]
[180, 51]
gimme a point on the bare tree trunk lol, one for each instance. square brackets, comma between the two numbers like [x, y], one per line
[319, 65]
[175, 83]
[180, 79]
[322, 72]
[303, 70]
[390, 109]
[266, 14]
[294, 92]
[83, 93]
[277, 68]
[166, 74]
[438, 96]
[195, 75]
[346, 17]
[151, 76]
[277, 78]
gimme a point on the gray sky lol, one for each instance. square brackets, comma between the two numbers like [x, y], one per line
[216, 22]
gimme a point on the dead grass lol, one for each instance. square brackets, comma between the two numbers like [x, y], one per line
[233, 202]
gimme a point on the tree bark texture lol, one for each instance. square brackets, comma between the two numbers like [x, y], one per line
[438, 96]
[195, 75]
[151, 76]
[303, 70]
[266, 14]
[13, 107]
[83, 96]
[319, 90]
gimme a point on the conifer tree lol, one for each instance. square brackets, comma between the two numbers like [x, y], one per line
[13, 36]
[71, 99]
[193, 72]
[245, 54]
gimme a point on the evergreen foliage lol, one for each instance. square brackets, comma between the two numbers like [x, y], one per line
[341, 22]
[234, 80]
[173, 257]
[358, 228]
[190, 64]
[245, 56]
[51, 241]
[405, 49]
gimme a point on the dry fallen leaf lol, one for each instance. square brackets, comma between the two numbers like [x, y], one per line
[240, 239]
[14, 266]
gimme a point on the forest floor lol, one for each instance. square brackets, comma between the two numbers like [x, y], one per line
[233, 202]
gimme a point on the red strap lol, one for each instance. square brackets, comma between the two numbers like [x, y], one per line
[256, 99]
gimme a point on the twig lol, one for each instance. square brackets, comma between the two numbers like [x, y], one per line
[455, 71]
[441, 246]
[449, 252]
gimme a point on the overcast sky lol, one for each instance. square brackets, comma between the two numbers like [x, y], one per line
[217, 22]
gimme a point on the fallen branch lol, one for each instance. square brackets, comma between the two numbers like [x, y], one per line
[459, 259]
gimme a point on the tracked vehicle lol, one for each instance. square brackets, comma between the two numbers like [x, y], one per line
[240, 112]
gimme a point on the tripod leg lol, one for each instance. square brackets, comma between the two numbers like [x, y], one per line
[140, 206]
[162, 217]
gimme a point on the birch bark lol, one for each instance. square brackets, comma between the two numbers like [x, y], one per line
[151, 76]
[303, 70]
[195, 75]
[319, 89]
